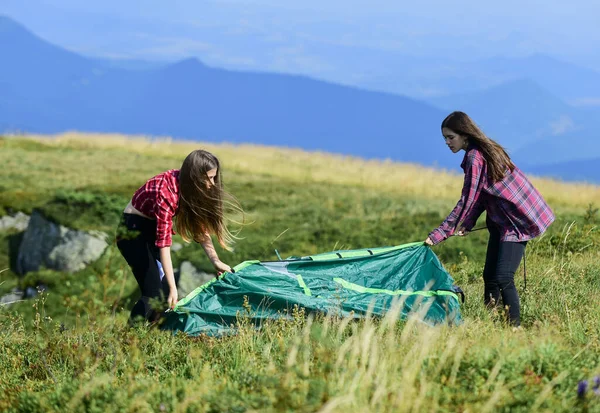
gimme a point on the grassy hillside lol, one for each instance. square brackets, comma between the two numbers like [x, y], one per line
[69, 350]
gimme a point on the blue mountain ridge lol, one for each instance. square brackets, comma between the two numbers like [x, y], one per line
[47, 89]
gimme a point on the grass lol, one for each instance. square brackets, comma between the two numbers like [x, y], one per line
[70, 350]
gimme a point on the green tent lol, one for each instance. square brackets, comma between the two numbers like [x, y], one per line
[342, 283]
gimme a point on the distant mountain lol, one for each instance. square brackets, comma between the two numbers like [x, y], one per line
[571, 147]
[48, 89]
[587, 170]
[130, 64]
[522, 115]
[567, 81]
[432, 78]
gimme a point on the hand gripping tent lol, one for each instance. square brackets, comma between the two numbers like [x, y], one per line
[343, 283]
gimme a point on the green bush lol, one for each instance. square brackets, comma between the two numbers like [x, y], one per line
[85, 210]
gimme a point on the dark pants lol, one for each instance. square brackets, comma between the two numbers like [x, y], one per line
[136, 236]
[501, 262]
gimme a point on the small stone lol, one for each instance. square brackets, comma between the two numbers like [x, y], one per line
[14, 296]
[190, 278]
[19, 221]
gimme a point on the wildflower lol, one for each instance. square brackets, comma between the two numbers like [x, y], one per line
[597, 385]
[582, 388]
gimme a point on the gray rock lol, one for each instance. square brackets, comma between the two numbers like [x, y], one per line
[46, 244]
[176, 247]
[19, 221]
[14, 296]
[190, 278]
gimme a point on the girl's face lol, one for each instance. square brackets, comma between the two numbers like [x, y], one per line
[454, 141]
[211, 177]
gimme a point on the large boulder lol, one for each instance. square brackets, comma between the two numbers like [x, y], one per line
[191, 278]
[46, 244]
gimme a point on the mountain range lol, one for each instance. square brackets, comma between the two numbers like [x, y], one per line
[47, 89]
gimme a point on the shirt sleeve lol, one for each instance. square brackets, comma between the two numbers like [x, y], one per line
[469, 206]
[471, 219]
[164, 213]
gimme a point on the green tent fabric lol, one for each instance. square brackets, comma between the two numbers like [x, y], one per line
[342, 283]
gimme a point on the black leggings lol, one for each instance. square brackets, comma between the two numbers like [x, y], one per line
[501, 262]
[136, 236]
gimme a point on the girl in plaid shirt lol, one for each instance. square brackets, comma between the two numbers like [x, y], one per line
[516, 211]
[193, 195]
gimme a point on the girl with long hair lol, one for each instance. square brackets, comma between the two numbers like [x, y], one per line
[516, 211]
[193, 197]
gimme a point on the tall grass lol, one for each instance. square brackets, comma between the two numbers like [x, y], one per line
[297, 165]
[71, 349]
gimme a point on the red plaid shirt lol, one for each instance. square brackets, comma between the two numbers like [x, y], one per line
[159, 198]
[513, 204]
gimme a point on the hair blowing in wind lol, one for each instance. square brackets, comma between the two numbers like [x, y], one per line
[497, 159]
[201, 206]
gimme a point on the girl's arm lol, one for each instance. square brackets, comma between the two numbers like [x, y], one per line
[210, 251]
[167, 264]
[468, 205]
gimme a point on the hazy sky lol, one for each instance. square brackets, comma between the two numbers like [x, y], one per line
[316, 37]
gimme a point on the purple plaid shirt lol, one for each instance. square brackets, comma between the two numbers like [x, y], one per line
[513, 204]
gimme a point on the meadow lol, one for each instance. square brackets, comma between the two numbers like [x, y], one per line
[70, 349]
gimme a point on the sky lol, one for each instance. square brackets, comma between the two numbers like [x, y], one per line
[329, 39]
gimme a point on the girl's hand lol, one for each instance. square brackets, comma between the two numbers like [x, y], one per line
[428, 241]
[221, 267]
[172, 299]
[462, 232]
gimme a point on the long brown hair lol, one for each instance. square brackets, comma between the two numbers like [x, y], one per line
[201, 208]
[496, 157]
